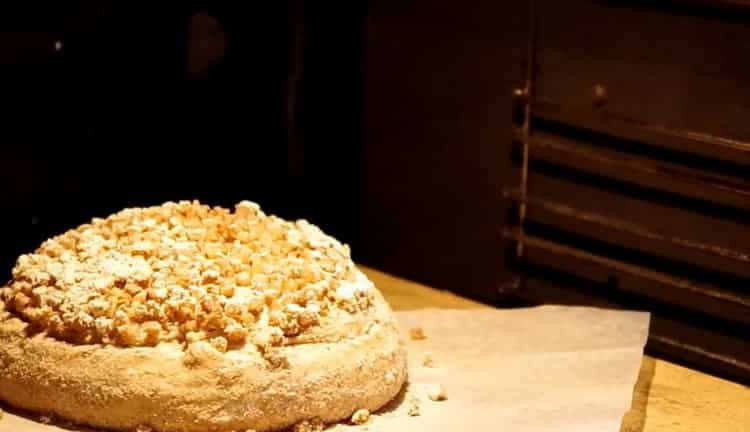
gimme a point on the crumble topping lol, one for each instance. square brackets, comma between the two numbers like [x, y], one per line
[185, 272]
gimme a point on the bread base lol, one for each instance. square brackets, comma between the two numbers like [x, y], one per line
[199, 389]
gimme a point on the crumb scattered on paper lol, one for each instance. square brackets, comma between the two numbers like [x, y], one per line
[45, 419]
[427, 360]
[360, 417]
[413, 409]
[436, 392]
[416, 333]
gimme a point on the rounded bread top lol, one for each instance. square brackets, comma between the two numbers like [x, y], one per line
[187, 272]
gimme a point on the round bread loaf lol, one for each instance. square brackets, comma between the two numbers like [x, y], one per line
[189, 318]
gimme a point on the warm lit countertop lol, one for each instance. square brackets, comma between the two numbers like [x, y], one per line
[668, 398]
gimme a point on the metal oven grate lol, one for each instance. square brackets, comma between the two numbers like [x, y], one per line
[615, 211]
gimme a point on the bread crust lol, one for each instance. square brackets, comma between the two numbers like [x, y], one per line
[198, 389]
[188, 318]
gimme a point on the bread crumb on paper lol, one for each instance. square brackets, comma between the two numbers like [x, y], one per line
[413, 409]
[360, 417]
[427, 360]
[436, 392]
[416, 333]
[45, 419]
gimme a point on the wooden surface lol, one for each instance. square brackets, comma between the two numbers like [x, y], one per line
[667, 397]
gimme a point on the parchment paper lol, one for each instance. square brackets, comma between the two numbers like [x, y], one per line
[548, 368]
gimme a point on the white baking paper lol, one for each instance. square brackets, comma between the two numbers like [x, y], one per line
[542, 369]
[548, 368]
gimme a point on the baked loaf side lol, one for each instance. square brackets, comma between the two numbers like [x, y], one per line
[183, 317]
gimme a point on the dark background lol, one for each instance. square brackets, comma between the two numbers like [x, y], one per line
[130, 113]
[386, 124]
[401, 128]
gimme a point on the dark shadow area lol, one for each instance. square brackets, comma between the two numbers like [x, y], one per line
[125, 104]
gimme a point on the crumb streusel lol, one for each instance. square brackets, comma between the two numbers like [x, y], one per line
[184, 272]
